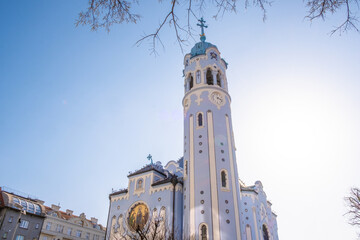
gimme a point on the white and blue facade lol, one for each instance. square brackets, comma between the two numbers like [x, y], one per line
[199, 196]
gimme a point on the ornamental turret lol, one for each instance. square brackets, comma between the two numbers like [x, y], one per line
[211, 187]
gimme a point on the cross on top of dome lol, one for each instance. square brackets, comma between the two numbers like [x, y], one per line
[202, 25]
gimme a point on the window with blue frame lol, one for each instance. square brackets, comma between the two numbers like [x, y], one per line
[24, 224]
[19, 237]
[37, 209]
[31, 208]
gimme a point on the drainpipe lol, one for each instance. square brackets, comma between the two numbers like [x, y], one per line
[174, 181]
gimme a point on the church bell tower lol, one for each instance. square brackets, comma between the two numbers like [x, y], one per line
[211, 186]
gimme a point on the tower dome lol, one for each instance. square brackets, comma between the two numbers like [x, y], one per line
[200, 48]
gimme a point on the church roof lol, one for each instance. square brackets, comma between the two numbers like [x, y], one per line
[200, 48]
[66, 216]
[167, 180]
[119, 192]
[248, 188]
[147, 168]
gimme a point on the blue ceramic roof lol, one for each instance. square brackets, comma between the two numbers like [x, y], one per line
[200, 48]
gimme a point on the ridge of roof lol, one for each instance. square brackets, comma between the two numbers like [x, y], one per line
[168, 179]
[148, 168]
[119, 192]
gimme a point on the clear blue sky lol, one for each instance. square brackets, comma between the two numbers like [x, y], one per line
[79, 109]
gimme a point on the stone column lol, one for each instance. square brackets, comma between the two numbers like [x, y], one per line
[214, 72]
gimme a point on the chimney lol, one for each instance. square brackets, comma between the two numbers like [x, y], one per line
[69, 212]
[55, 207]
[94, 220]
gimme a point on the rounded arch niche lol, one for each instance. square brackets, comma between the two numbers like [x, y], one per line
[265, 232]
[138, 216]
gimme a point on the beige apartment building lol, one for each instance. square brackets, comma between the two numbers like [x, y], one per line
[59, 225]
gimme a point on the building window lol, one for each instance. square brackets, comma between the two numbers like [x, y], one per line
[10, 219]
[265, 232]
[218, 79]
[37, 209]
[191, 82]
[31, 208]
[78, 233]
[203, 232]
[209, 77]
[48, 226]
[69, 231]
[45, 238]
[59, 228]
[16, 200]
[224, 179]
[198, 77]
[4, 235]
[87, 237]
[23, 204]
[186, 168]
[37, 226]
[24, 224]
[19, 237]
[27, 206]
[139, 184]
[200, 120]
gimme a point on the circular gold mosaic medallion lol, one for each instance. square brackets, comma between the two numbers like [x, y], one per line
[138, 216]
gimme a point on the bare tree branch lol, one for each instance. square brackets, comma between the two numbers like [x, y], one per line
[105, 13]
[353, 204]
[155, 36]
[321, 8]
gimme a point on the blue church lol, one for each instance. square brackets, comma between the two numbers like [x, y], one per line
[200, 195]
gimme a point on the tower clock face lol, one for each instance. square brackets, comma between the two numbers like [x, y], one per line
[217, 98]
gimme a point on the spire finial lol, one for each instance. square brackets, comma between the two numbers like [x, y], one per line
[202, 25]
[150, 159]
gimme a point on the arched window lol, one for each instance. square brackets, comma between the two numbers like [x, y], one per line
[191, 82]
[248, 232]
[218, 79]
[209, 77]
[113, 227]
[265, 232]
[203, 232]
[200, 119]
[198, 77]
[139, 184]
[223, 179]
